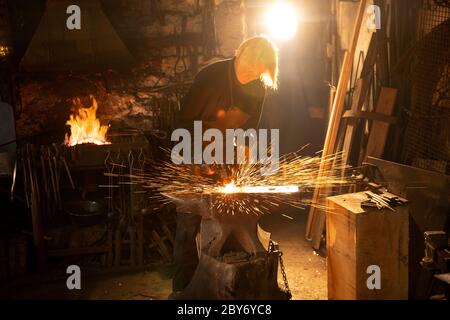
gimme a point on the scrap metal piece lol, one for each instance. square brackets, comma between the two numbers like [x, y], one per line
[13, 184]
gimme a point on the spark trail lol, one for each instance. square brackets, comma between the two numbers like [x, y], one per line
[232, 189]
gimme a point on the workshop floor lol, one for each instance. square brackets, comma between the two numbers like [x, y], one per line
[306, 272]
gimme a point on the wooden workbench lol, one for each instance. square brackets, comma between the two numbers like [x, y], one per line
[358, 238]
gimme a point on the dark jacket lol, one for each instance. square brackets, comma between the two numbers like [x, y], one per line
[216, 89]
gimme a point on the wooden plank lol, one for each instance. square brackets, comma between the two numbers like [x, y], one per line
[361, 91]
[382, 50]
[370, 116]
[331, 100]
[351, 123]
[369, 61]
[357, 239]
[382, 240]
[333, 117]
[340, 233]
[379, 131]
[360, 96]
[316, 218]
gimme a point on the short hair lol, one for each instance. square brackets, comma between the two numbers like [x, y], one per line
[260, 52]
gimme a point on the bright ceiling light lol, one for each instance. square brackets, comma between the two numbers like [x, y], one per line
[281, 20]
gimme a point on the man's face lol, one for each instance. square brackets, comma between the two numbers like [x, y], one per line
[249, 73]
[246, 76]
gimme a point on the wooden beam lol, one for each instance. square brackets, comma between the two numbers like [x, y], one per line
[316, 218]
[380, 129]
[360, 93]
[357, 101]
[374, 116]
[340, 96]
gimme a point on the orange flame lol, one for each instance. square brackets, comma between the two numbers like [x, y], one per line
[85, 127]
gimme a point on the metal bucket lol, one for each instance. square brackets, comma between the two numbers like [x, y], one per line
[85, 213]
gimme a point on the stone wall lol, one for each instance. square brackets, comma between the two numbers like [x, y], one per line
[171, 40]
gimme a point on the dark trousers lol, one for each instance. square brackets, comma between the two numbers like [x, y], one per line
[185, 249]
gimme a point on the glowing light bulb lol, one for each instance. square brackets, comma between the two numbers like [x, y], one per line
[282, 21]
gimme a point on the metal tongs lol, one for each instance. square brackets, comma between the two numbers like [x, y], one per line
[381, 201]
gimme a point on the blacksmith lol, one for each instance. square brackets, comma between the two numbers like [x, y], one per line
[228, 94]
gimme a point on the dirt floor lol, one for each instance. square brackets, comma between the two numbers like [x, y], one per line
[305, 269]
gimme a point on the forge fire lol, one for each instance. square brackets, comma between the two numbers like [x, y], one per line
[271, 151]
[85, 127]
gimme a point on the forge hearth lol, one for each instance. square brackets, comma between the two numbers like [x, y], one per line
[89, 155]
[85, 201]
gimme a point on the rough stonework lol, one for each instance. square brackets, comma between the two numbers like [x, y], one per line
[169, 44]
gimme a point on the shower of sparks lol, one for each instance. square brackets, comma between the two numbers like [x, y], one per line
[231, 189]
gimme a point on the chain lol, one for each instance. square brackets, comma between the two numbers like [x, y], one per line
[283, 274]
[272, 248]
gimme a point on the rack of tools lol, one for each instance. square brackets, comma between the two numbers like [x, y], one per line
[94, 185]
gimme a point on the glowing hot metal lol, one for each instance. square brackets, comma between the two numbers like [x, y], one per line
[232, 188]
